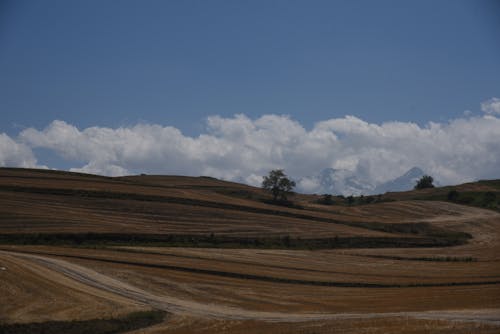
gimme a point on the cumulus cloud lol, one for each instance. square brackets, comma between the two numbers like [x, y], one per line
[14, 154]
[491, 106]
[244, 149]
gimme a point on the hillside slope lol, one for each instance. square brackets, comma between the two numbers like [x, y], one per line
[166, 208]
[77, 248]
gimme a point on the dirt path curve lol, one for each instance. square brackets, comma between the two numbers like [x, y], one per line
[180, 306]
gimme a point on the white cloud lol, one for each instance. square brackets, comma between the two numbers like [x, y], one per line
[13, 154]
[243, 149]
[491, 106]
[101, 168]
[309, 184]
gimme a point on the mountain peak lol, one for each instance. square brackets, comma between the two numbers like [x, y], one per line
[337, 181]
[405, 182]
[346, 182]
[413, 172]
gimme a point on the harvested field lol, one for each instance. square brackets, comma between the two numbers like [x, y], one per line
[269, 287]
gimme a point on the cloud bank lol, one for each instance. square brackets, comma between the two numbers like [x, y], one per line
[244, 149]
[15, 154]
[491, 106]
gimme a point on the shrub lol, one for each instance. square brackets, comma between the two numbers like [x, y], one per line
[453, 195]
[425, 182]
[350, 200]
[489, 198]
[326, 199]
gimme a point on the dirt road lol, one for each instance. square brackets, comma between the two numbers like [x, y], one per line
[174, 305]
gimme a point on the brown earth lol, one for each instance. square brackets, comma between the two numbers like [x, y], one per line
[210, 290]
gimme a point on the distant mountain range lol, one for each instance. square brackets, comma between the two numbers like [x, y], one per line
[405, 182]
[345, 182]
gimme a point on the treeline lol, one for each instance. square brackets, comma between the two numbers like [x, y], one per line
[328, 199]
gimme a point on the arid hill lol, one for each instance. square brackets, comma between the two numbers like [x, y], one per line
[172, 254]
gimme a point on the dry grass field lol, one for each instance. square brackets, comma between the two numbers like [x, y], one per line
[220, 257]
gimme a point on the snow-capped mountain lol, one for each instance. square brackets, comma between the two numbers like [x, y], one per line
[405, 182]
[336, 181]
[345, 182]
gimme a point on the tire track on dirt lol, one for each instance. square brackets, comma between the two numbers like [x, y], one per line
[94, 279]
[270, 279]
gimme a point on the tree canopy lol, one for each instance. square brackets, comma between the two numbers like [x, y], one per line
[425, 182]
[278, 184]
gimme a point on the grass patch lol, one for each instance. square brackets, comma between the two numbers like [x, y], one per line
[491, 183]
[281, 202]
[127, 323]
[239, 193]
[480, 199]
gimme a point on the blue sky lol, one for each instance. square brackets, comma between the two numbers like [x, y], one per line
[174, 63]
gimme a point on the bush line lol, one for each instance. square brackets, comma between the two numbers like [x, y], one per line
[425, 258]
[127, 323]
[221, 241]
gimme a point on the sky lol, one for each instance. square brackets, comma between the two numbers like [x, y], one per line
[232, 89]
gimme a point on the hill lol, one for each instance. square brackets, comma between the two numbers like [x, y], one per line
[83, 253]
[41, 206]
[484, 194]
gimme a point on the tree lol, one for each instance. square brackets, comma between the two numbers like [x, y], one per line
[278, 184]
[369, 199]
[453, 195]
[326, 199]
[425, 182]
[489, 198]
[350, 200]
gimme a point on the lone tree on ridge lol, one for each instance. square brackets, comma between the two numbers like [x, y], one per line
[424, 182]
[278, 184]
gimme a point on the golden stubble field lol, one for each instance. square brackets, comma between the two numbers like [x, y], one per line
[240, 290]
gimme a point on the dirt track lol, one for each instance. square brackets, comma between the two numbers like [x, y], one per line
[177, 306]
